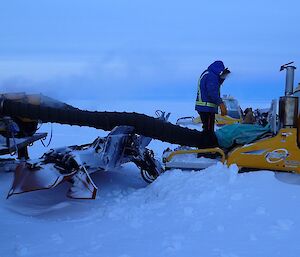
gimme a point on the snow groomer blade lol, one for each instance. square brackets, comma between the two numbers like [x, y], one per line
[28, 178]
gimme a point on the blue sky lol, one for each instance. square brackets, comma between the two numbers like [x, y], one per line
[146, 49]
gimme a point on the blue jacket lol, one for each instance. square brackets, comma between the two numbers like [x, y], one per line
[209, 86]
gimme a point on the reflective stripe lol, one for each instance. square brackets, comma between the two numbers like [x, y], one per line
[206, 104]
[199, 98]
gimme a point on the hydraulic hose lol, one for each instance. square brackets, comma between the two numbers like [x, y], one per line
[143, 124]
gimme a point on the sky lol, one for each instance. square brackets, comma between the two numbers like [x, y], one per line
[120, 50]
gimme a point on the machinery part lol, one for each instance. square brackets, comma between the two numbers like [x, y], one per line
[149, 166]
[18, 135]
[173, 160]
[297, 94]
[31, 177]
[288, 111]
[162, 115]
[226, 120]
[233, 107]
[273, 117]
[280, 153]
[8, 164]
[277, 153]
[187, 120]
[17, 144]
[143, 124]
[207, 150]
[35, 99]
[27, 128]
[267, 116]
[289, 80]
[83, 186]
[75, 164]
[147, 176]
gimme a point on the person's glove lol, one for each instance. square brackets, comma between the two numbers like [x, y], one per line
[223, 109]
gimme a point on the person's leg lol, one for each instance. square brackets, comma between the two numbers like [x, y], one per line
[211, 128]
[208, 121]
[205, 120]
[209, 136]
[211, 122]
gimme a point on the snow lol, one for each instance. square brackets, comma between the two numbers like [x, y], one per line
[213, 212]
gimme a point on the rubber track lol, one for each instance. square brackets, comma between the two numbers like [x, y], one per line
[143, 124]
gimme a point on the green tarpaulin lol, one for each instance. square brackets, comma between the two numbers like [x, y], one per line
[240, 134]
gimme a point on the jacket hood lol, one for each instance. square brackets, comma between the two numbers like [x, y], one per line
[216, 67]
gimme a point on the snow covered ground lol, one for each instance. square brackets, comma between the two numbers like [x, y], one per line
[214, 212]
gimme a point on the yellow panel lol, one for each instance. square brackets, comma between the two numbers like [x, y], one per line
[226, 120]
[276, 153]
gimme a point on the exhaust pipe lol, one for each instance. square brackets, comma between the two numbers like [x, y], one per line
[289, 78]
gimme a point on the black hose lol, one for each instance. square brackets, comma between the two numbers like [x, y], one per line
[143, 124]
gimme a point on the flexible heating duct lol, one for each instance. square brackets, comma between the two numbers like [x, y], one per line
[143, 124]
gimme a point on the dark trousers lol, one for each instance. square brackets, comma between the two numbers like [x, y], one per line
[209, 138]
[208, 121]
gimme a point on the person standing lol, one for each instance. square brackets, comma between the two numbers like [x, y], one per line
[208, 95]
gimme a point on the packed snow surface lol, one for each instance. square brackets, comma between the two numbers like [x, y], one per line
[213, 212]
